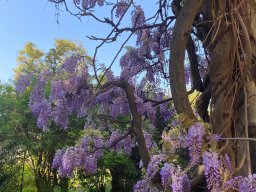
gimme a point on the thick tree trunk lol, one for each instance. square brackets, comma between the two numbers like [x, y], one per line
[251, 86]
[229, 39]
[230, 52]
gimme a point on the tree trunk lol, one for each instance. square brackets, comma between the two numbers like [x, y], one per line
[115, 183]
[230, 52]
[229, 34]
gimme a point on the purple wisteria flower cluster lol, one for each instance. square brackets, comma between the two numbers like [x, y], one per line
[87, 153]
[172, 177]
[211, 170]
[83, 156]
[243, 184]
[195, 142]
[138, 17]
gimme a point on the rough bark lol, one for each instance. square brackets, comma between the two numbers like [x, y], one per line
[231, 57]
[251, 85]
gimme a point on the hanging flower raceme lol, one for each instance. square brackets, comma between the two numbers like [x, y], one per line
[166, 172]
[23, 81]
[245, 184]
[84, 156]
[154, 165]
[180, 181]
[141, 186]
[138, 17]
[211, 170]
[195, 142]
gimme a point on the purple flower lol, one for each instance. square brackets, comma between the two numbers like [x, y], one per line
[93, 144]
[38, 94]
[57, 90]
[166, 172]
[232, 183]
[228, 163]
[211, 170]
[57, 160]
[149, 141]
[118, 143]
[131, 64]
[214, 138]
[90, 164]
[245, 184]
[60, 113]
[248, 184]
[70, 64]
[195, 142]
[44, 115]
[154, 164]
[88, 4]
[119, 107]
[141, 186]
[225, 165]
[180, 182]
[77, 2]
[71, 159]
[23, 82]
[100, 2]
[138, 17]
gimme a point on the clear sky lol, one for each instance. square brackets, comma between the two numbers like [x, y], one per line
[22, 21]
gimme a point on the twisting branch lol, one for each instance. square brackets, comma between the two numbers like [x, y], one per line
[181, 32]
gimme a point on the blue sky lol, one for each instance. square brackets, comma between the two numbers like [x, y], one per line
[22, 21]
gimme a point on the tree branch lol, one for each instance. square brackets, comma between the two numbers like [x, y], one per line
[181, 34]
[136, 117]
[193, 61]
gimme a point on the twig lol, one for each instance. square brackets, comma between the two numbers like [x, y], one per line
[109, 67]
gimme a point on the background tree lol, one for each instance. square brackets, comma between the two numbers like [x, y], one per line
[9, 164]
[19, 132]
